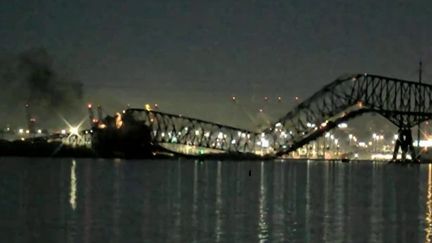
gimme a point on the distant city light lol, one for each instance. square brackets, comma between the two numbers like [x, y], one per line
[343, 125]
[265, 143]
[379, 156]
[424, 143]
[147, 107]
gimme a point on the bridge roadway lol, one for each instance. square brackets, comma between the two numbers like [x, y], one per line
[404, 103]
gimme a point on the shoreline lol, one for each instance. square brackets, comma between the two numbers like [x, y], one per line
[41, 149]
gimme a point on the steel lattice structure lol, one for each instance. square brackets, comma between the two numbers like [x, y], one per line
[404, 103]
[170, 128]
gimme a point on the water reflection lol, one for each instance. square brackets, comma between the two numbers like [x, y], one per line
[307, 215]
[192, 201]
[118, 177]
[195, 199]
[262, 224]
[73, 186]
[218, 230]
[428, 219]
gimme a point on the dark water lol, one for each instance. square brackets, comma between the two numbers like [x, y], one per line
[65, 200]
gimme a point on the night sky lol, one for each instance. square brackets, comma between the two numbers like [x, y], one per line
[190, 57]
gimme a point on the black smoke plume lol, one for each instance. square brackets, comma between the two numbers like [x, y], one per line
[30, 78]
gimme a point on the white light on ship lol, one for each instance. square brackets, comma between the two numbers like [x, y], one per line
[74, 130]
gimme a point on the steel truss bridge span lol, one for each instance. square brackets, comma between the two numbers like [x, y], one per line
[404, 103]
[178, 129]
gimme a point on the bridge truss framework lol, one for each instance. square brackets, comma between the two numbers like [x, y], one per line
[404, 103]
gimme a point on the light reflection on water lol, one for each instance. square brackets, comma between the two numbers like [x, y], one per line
[262, 224]
[72, 193]
[43, 200]
[218, 202]
[428, 211]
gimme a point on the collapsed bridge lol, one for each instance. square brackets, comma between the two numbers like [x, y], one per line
[404, 103]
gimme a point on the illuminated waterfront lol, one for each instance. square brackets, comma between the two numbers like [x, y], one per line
[65, 200]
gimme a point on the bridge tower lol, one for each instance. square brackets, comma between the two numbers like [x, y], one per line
[405, 143]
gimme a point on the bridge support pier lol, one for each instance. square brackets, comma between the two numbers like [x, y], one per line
[405, 143]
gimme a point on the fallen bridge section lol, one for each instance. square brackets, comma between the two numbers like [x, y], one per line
[177, 129]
